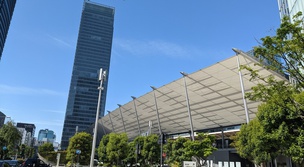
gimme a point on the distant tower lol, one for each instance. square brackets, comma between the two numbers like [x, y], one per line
[6, 12]
[290, 8]
[46, 136]
[93, 52]
[2, 118]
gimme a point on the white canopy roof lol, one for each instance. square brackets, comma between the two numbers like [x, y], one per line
[215, 99]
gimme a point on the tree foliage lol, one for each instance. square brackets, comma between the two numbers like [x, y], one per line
[139, 142]
[102, 149]
[117, 148]
[113, 149]
[10, 138]
[278, 126]
[178, 150]
[45, 148]
[287, 46]
[200, 148]
[81, 141]
[184, 149]
[151, 149]
[168, 150]
[27, 152]
[131, 154]
[248, 143]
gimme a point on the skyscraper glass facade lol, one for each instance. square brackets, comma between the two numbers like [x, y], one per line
[6, 12]
[283, 8]
[93, 52]
[290, 8]
[2, 118]
[46, 135]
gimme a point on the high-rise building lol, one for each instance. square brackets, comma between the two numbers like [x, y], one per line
[290, 8]
[6, 12]
[46, 136]
[28, 131]
[28, 127]
[2, 118]
[93, 52]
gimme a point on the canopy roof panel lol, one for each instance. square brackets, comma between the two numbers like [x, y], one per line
[215, 99]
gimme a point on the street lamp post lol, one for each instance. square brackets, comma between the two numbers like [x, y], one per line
[102, 76]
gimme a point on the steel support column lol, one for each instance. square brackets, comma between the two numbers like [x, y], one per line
[123, 123]
[159, 127]
[111, 121]
[156, 109]
[136, 114]
[188, 105]
[241, 82]
[104, 131]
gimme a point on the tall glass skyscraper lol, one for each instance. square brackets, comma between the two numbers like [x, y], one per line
[6, 13]
[290, 8]
[93, 52]
[46, 135]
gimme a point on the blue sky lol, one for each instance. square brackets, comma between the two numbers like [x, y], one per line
[153, 41]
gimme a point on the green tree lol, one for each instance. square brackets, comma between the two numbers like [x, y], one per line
[184, 149]
[278, 128]
[200, 148]
[251, 144]
[178, 151]
[81, 141]
[3, 151]
[117, 148]
[280, 47]
[27, 152]
[167, 149]
[45, 148]
[131, 154]
[22, 150]
[10, 138]
[139, 142]
[102, 149]
[151, 149]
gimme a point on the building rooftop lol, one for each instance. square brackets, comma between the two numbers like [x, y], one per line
[215, 99]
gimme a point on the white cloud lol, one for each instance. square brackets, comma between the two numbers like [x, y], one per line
[156, 47]
[6, 89]
[59, 41]
[56, 111]
[49, 123]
